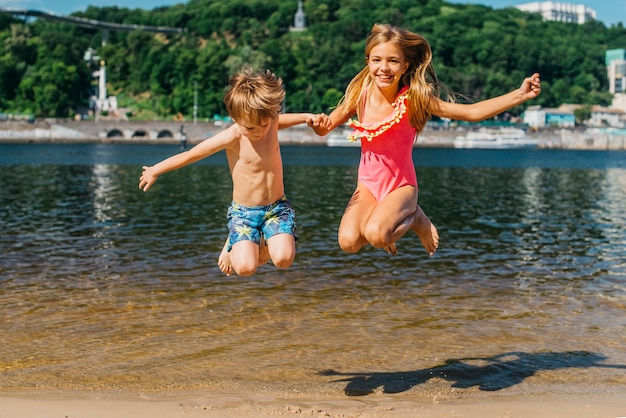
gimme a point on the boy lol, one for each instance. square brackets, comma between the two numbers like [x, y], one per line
[259, 211]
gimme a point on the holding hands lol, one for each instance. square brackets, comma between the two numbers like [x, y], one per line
[317, 121]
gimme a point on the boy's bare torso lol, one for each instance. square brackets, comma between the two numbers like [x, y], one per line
[256, 168]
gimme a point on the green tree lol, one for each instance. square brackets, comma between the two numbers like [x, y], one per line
[582, 114]
[477, 51]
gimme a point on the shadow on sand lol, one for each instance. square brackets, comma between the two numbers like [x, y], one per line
[487, 373]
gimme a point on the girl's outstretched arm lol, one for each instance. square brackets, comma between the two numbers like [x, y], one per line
[476, 112]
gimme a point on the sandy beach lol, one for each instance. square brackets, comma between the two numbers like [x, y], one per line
[237, 405]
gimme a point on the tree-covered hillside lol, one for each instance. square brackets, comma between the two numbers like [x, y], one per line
[478, 51]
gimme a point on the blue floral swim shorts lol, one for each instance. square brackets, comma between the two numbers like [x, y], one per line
[249, 222]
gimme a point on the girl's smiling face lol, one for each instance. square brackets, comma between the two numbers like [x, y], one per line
[386, 65]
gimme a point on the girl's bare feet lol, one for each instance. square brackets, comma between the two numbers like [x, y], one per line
[426, 231]
[392, 249]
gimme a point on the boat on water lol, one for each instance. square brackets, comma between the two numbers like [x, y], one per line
[496, 138]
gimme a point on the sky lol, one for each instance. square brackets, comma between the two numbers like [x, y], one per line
[608, 11]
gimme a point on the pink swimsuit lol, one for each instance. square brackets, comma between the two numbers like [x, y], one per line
[386, 150]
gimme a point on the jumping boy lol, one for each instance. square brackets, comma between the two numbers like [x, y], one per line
[259, 211]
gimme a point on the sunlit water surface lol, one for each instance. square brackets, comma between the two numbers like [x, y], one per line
[103, 286]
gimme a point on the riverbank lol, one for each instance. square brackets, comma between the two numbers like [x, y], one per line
[62, 131]
[237, 405]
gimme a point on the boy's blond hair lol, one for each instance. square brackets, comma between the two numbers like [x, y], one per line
[254, 97]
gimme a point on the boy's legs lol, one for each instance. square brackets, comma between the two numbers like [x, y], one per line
[225, 264]
[279, 230]
[252, 229]
[282, 250]
[223, 261]
[244, 256]
[244, 238]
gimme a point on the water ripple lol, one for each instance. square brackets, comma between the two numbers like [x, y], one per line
[104, 286]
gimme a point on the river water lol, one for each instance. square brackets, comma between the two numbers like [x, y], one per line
[104, 287]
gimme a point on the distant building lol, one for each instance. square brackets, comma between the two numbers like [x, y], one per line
[563, 116]
[539, 117]
[602, 116]
[619, 101]
[615, 60]
[299, 19]
[560, 12]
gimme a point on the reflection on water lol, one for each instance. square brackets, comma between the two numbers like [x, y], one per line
[104, 286]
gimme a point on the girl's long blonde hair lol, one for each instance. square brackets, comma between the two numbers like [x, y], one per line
[420, 76]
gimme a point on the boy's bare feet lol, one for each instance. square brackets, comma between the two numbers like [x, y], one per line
[223, 262]
[264, 253]
[426, 231]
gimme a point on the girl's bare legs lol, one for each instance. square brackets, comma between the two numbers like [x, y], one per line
[354, 219]
[387, 222]
[282, 250]
[383, 223]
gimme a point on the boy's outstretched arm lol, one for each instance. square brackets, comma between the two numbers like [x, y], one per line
[287, 120]
[205, 148]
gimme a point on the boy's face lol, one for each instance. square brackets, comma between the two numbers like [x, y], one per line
[253, 131]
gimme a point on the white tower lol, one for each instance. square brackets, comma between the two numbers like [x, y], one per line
[299, 20]
[102, 82]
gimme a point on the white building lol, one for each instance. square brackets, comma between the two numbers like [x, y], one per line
[564, 117]
[539, 117]
[619, 101]
[616, 72]
[560, 12]
[299, 19]
[602, 116]
[615, 60]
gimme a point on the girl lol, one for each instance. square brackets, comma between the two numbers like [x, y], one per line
[393, 97]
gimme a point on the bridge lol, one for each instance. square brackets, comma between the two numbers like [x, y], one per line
[66, 130]
[90, 23]
[164, 131]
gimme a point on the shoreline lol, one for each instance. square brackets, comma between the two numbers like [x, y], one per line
[122, 403]
[161, 132]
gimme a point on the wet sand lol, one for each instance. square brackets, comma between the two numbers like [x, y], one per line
[245, 405]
